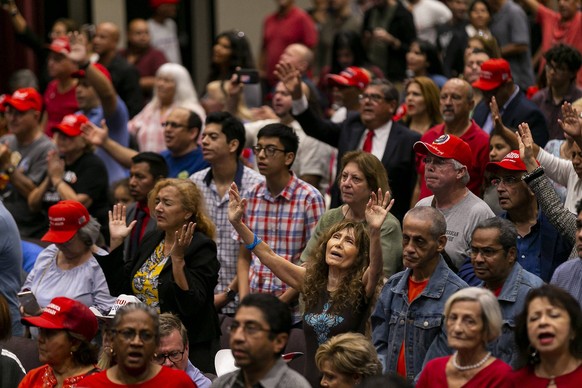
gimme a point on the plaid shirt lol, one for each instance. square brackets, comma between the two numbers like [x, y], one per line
[285, 222]
[217, 209]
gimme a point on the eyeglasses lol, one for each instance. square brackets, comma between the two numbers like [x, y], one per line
[248, 328]
[485, 252]
[437, 161]
[174, 357]
[375, 98]
[269, 150]
[129, 334]
[172, 124]
[507, 181]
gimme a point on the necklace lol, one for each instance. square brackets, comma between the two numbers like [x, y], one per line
[469, 367]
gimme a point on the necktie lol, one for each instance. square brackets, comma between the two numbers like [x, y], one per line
[136, 233]
[367, 147]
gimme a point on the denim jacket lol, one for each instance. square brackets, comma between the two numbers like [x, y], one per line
[419, 322]
[511, 300]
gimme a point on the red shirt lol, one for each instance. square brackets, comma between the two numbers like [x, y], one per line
[281, 30]
[555, 31]
[58, 105]
[44, 377]
[477, 139]
[166, 377]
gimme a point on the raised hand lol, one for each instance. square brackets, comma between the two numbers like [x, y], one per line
[572, 122]
[182, 240]
[94, 134]
[526, 147]
[500, 129]
[291, 78]
[377, 209]
[118, 230]
[234, 88]
[78, 43]
[236, 205]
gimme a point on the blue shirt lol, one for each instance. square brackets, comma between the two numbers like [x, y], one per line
[543, 249]
[117, 125]
[419, 322]
[195, 375]
[185, 165]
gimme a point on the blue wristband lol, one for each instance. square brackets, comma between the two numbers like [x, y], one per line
[256, 242]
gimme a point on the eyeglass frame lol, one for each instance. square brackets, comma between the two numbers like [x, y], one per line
[269, 150]
[430, 159]
[169, 357]
[496, 181]
[140, 334]
[249, 328]
[373, 97]
[173, 125]
[486, 252]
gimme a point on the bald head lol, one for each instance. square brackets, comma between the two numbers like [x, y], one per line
[138, 35]
[106, 38]
[298, 55]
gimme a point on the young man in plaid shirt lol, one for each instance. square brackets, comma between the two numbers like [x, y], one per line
[282, 211]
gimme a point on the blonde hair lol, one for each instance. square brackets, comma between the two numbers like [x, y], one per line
[349, 354]
[191, 199]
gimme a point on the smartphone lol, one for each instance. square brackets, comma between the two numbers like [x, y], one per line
[29, 303]
[248, 76]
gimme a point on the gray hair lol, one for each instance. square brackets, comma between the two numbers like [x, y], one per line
[438, 224]
[490, 310]
[507, 231]
[89, 233]
[457, 166]
[133, 307]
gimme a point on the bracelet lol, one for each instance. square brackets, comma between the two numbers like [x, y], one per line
[538, 172]
[256, 242]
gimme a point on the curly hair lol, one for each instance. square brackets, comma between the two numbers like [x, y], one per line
[350, 293]
[191, 199]
[349, 354]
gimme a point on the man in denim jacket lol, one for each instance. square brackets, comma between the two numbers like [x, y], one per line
[408, 317]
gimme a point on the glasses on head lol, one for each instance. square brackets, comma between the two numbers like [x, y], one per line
[174, 357]
[129, 334]
[269, 150]
[507, 180]
[485, 252]
[248, 328]
[172, 124]
[375, 98]
[437, 161]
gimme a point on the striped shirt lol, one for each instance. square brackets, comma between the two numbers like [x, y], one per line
[217, 209]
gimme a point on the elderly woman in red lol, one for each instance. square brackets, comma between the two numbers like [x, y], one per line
[66, 328]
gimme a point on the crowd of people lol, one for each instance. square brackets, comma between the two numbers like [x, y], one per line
[391, 193]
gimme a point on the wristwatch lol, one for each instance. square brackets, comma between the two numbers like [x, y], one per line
[230, 294]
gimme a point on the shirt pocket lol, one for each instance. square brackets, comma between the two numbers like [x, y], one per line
[426, 329]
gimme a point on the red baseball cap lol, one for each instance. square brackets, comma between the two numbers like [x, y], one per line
[351, 76]
[156, 3]
[66, 314]
[98, 66]
[494, 73]
[71, 124]
[25, 99]
[65, 219]
[60, 45]
[511, 162]
[447, 147]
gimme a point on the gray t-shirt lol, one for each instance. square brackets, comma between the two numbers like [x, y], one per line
[461, 221]
[33, 165]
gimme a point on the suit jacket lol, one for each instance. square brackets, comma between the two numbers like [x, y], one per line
[130, 216]
[398, 158]
[519, 110]
[195, 307]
